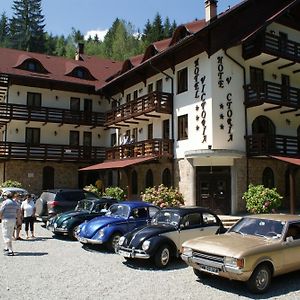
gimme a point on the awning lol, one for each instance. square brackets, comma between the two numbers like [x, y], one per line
[290, 160]
[118, 164]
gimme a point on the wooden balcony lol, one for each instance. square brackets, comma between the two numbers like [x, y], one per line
[46, 115]
[61, 153]
[155, 103]
[157, 147]
[274, 45]
[263, 144]
[274, 93]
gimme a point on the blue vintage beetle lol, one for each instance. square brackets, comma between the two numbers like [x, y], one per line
[120, 219]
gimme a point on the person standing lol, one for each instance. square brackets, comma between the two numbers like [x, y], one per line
[17, 198]
[28, 212]
[8, 213]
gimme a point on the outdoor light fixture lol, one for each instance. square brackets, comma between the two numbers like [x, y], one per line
[55, 133]
[17, 130]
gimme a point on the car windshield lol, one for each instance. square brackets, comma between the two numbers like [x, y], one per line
[84, 205]
[166, 217]
[259, 227]
[118, 210]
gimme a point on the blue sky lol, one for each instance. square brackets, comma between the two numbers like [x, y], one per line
[98, 15]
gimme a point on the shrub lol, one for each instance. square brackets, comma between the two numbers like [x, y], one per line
[115, 192]
[163, 196]
[11, 183]
[93, 189]
[261, 200]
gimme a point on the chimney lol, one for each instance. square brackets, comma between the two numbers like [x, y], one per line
[210, 10]
[80, 51]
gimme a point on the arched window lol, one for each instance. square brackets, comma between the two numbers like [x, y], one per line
[263, 124]
[134, 182]
[149, 179]
[166, 177]
[268, 178]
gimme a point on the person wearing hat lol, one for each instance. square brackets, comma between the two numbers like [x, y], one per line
[8, 213]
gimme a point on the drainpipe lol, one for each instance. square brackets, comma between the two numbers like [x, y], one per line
[245, 112]
[172, 91]
[5, 137]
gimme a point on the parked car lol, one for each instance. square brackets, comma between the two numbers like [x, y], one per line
[21, 191]
[53, 202]
[87, 209]
[254, 250]
[120, 219]
[169, 228]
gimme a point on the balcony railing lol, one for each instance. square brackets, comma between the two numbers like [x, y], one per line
[153, 102]
[9, 150]
[264, 144]
[274, 45]
[272, 93]
[156, 147]
[10, 112]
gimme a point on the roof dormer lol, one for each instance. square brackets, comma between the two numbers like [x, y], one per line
[30, 64]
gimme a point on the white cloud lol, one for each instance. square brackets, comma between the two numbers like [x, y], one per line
[99, 32]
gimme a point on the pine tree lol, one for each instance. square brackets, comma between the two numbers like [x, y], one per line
[27, 26]
[4, 30]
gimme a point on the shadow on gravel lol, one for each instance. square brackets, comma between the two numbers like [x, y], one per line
[280, 285]
[63, 238]
[30, 253]
[97, 249]
[148, 265]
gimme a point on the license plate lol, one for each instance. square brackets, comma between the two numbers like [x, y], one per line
[209, 269]
[124, 253]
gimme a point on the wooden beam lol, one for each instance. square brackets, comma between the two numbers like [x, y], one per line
[270, 61]
[152, 116]
[272, 108]
[288, 111]
[286, 65]
[131, 122]
[140, 119]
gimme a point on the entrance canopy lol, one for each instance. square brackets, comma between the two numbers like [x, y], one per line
[294, 161]
[118, 164]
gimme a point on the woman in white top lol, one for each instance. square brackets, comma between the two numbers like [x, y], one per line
[28, 211]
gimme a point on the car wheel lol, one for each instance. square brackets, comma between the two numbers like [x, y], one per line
[162, 256]
[72, 232]
[260, 279]
[113, 242]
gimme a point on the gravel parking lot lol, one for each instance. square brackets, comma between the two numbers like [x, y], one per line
[52, 268]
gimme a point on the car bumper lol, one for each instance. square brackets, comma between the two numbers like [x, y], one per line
[216, 268]
[84, 240]
[132, 253]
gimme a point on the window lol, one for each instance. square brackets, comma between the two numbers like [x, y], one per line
[135, 94]
[74, 138]
[166, 129]
[134, 136]
[182, 81]
[88, 105]
[159, 85]
[257, 79]
[75, 104]
[183, 127]
[32, 66]
[113, 139]
[268, 178]
[80, 73]
[166, 177]
[128, 98]
[149, 179]
[150, 88]
[150, 131]
[191, 220]
[209, 219]
[134, 182]
[114, 104]
[33, 136]
[34, 99]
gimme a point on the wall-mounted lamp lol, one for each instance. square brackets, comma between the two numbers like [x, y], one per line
[99, 136]
[288, 122]
[167, 78]
[99, 102]
[17, 130]
[274, 76]
[140, 90]
[55, 133]
[209, 147]
[140, 130]
[18, 93]
[272, 32]
[56, 97]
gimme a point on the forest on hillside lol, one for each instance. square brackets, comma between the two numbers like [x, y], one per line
[25, 31]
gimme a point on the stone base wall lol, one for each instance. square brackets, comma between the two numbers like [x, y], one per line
[240, 166]
[30, 174]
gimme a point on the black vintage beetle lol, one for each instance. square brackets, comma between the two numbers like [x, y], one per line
[169, 228]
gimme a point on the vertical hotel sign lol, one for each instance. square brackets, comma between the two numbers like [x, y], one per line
[200, 93]
[226, 113]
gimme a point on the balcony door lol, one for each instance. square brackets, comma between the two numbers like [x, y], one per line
[257, 80]
[33, 136]
[75, 108]
[88, 108]
[213, 188]
[285, 88]
[87, 144]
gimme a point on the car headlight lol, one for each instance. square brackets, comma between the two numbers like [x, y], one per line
[187, 251]
[101, 233]
[146, 245]
[234, 262]
[122, 240]
[64, 224]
